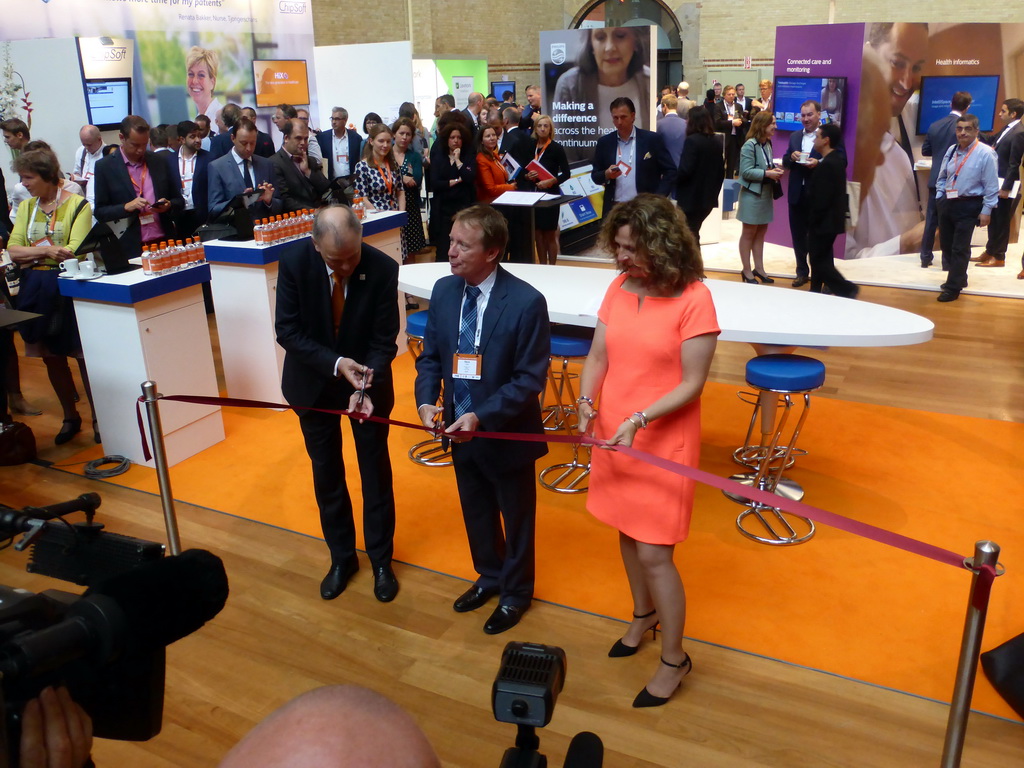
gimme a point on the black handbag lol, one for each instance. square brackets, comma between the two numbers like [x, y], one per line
[1004, 667]
[776, 189]
[17, 444]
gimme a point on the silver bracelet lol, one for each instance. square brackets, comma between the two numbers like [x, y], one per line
[642, 417]
[584, 399]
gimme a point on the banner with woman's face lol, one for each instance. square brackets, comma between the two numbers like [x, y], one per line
[584, 70]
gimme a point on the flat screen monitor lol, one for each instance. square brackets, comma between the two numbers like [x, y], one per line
[791, 92]
[280, 81]
[500, 87]
[109, 101]
[937, 95]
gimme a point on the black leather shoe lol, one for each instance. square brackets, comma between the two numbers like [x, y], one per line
[925, 263]
[801, 280]
[69, 429]
[385, 585]
[473, 598]
[948, 296]
[504, 618]
[336, 580]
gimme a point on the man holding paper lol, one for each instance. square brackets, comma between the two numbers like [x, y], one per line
[1008, 144]
[631, 160]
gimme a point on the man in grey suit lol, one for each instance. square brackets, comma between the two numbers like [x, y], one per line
[241, 171]
[488, 340]
[941, 136]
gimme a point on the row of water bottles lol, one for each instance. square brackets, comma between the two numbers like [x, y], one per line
[283, 227]
[170, 256]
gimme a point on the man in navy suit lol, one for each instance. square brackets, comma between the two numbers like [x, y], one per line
[189, 169]
[137, 184]
[941, 136]
[337, 319]
[340, 147]
[264, 144]
[799, 182]
[241, 171]
[1008, 144]
[631, 160]
[488, 340]
[671, 127]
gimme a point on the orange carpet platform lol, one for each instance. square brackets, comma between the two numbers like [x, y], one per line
[838, 603]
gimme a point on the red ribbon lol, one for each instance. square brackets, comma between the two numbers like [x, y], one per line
[865, 530]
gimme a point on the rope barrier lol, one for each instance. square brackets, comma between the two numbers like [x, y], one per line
[818, 515]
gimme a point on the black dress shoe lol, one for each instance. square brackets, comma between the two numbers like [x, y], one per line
[385, 585]
[763, 278]
[948, 296]
[504, 618]
[647, 699]
[336, 580]
[69, 429]
[473, 598]
[925, 263]
[801, 280]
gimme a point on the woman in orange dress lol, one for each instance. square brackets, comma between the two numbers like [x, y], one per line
[655, 338]
[491, 176]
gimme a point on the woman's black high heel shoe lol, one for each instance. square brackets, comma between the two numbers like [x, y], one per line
[647, 699]
[763, 278]
[748, 279]
[620, 649]
[70, 428]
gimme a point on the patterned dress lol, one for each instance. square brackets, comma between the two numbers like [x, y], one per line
[413, 239]
[372, 184]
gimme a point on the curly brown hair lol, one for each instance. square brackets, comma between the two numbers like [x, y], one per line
[664, 243]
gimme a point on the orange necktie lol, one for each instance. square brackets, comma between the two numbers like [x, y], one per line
[337, 300]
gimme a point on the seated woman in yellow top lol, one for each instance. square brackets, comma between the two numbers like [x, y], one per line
[48, 228]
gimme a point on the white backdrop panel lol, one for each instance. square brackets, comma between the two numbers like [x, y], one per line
[367, 77]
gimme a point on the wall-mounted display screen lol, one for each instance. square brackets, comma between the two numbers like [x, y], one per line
[500, 87]
[280, 82]
[937, 95]
[109, 101]
[791, 92]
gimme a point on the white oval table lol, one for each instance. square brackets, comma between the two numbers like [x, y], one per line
[757, 314]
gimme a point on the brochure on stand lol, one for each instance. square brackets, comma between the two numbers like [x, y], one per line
[523, 198]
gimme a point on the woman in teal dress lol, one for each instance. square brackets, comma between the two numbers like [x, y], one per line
[758, 177]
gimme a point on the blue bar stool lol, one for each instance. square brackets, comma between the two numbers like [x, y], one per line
[570, 477]
[777, 379]
[428, 453]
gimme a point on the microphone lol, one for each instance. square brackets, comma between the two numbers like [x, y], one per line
[166, 600]
[585, 751]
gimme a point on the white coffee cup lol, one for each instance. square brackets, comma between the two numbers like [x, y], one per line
[804, 157]
[70, 266]
[87, 269]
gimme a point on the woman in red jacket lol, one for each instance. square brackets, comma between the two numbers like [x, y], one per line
[491, 177]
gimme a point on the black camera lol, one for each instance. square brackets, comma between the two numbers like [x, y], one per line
[107, 646]
[524, 694]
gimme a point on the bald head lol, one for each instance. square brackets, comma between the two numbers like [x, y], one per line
[90, 137]
[338, 726]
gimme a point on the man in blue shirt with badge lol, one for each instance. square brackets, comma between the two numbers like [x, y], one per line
[966, 191]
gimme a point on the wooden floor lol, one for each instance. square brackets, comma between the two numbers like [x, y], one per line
[276, 638]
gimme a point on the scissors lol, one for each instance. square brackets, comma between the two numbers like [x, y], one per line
[362, 388]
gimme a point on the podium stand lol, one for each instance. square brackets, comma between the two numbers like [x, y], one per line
[522, 201]
[138, 327]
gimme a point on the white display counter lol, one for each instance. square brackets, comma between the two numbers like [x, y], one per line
[138, 327]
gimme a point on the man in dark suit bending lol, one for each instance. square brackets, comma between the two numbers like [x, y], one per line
[337, 319]
[488, 341]
[631, 160]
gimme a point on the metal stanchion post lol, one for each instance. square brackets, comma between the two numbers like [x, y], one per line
[156, 436]
[986, 553]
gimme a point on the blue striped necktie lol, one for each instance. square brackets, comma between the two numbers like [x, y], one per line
[467, 345]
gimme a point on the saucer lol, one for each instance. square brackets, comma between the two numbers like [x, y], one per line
[86, 277]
